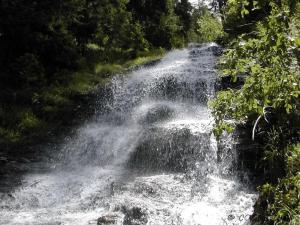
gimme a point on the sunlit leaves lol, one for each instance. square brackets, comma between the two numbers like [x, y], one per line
[209, 27]
[283, 201]
[266, 62]
[297, 42]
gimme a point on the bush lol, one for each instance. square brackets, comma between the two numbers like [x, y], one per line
[29, 122]
[293, 159]
[268, 64]
[283, 201]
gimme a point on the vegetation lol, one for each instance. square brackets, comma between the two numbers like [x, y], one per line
[51, 52]
[263, 51]
[282, 198]
[209, 28]
[205, 26]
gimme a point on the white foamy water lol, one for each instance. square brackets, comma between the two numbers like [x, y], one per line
[149, 157]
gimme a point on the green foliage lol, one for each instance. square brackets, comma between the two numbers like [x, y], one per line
[117, 31]
[184, 10]
[293, 159]
[28, 122]
[164, 22]
[279, 202]
[16, 122]
[145, 57]
[239, 16]
[107, 69]
[209, 27]
[283, 200]
[7, 135]
[270, 69]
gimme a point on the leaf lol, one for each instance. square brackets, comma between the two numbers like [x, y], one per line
[244, 12]
[288, 108]
[297, 42]
[234, 79]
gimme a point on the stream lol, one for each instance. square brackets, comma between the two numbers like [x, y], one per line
[147, 157]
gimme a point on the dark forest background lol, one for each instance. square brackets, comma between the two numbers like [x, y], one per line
[53, 52]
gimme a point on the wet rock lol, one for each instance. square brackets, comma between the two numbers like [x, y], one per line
[134, 216]
[231, 217]
[204, 49]
[249, 152]
[117, 187]
[173, 88]
[3, 159]
[145, 189]
[156, 114]
[169, 150]
[216, 50]
[109, 219]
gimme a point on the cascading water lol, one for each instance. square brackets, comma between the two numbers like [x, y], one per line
[148, 157]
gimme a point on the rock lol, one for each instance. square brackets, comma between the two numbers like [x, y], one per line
[110, 219]
[231, 217]
[216, 50]
[3, 159]
[134, 216]
[168, 150]
[156, 114]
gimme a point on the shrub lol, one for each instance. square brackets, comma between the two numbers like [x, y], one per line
[283, 201]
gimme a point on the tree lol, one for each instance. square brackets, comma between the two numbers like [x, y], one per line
[158, 20]
[183, 9]
[209, 27]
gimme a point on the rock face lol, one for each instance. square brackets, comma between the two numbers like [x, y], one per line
[169, 150]
[157, 114]
[134, 216]
[127, 216]
[249, 152]
[106, 220]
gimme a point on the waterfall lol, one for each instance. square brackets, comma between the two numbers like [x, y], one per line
[147, 157]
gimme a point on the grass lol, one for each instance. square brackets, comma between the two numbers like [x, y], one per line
[106, 70]
[145, 58]
[142, 59]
